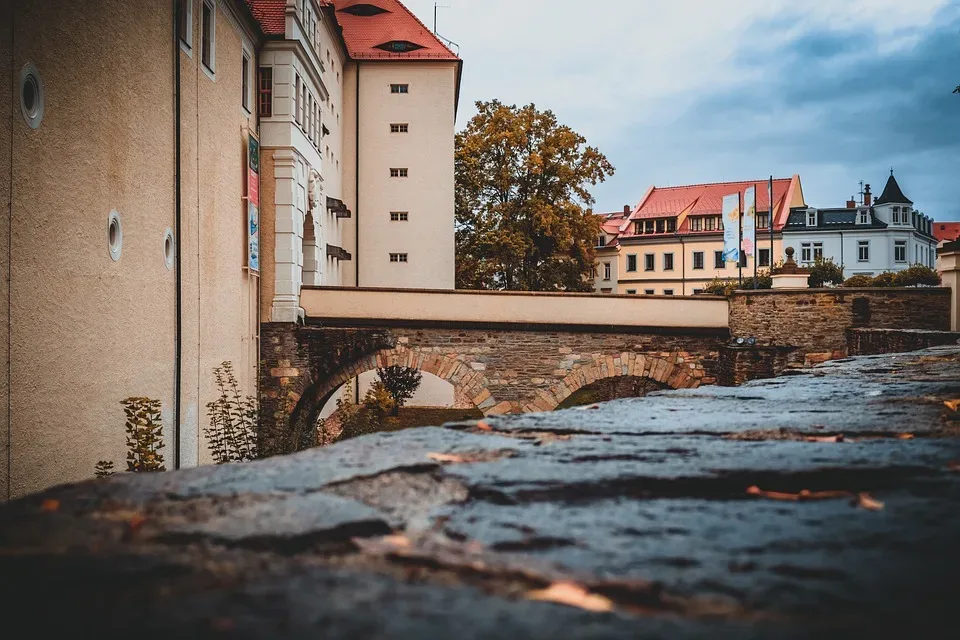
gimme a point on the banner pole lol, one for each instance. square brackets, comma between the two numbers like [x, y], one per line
[740, 241]
[756, 251]
[770, 218]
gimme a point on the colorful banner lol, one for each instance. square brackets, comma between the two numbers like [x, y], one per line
[731, 228]
[253, 203]
[749, 240]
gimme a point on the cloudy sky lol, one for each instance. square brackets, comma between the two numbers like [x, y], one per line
[689, 91]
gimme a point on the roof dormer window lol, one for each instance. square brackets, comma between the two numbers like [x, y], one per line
[400, 46]
[364, 10]
[811, 218]
[864, 217]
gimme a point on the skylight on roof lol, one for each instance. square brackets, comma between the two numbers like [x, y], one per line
[364, 10]
[400, 46]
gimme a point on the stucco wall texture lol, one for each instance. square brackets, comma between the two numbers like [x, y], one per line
[88, 331]
[6, 169]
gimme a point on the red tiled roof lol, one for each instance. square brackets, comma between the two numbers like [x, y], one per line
[946, 231]
[271, 14]
[363, 34]
[707, 199]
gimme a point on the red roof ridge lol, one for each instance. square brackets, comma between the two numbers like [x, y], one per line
[717, 184]
[427, 29]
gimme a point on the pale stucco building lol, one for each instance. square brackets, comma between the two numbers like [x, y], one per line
[130, 166]
[671, 242]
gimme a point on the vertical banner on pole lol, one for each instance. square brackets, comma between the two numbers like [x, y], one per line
[253, 203]
[731, 228]
[749, 241]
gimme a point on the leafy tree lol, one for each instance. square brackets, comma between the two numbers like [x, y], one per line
[521, 201]
[825, 272]
[726, 286]
[401, 383]
[858, 281]
[885, 279]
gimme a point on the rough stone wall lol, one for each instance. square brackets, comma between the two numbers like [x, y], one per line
[864, 342]
[740, 364]
[816, 321]
[500, 371]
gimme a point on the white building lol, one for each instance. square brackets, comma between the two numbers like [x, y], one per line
[867, 239]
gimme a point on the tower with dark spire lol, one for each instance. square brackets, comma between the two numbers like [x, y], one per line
[893, 194]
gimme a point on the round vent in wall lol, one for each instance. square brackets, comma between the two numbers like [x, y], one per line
[31, 95]
[114, 235]
[168, 248]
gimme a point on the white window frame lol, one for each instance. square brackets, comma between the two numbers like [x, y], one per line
[900, 244]
[246, 101]
[811, 218]
[606, 271]
[806, 252]
[864, 217]
[399, 172]
[399, 127]
[211, 69]
[399, 88]
[861, 245]
[817, 250]
[896, 215]
[186, 38]
[399, 257]
[399, 216]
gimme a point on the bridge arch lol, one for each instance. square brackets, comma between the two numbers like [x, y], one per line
[472, 384]
[671, 370]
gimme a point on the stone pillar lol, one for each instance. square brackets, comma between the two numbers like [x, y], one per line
[290, 207]
[790, 276]
[948, 264]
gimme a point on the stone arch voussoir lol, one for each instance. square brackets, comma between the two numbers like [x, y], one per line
[473, 384]
[677, 371]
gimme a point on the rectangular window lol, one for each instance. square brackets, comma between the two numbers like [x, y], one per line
[606, 270]
[649, 292]
[648, 262]
[399, 88]
[399, 128]
[697, 292]
[900, 251]
[632, 262]
[245, 81]
[668, 262]
[265, 96]
[602, 241]
[864, 217]
[806, 252]
[718, 260]
[709, 224]
[763, 258]
[303, 105]
[631, 292]
[648, 226]
[811, 218]
[743, 258]
[672, 225]
[661, 226]
[296, 98]
[398, 257]
[668, 292]
[817, 250]
[399, 216]
[698, 259]
[398, 173]
[763, 221]
[185, 23]
[896, 215]
[696, 224]
[208, 31]
[863, 251]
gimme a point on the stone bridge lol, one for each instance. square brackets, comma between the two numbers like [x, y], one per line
[507, 352]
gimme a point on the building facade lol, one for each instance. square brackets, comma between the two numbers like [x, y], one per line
[867, 238]
[671, 243]
[130, 253]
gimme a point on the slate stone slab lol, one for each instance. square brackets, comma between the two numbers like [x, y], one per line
[705, 513]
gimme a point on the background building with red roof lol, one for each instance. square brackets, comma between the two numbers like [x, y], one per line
[671, 242]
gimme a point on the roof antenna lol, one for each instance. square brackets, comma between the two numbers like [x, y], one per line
[891, 172]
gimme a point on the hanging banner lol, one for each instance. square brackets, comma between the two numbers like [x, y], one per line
[731, 228]
[253, 203]
[749, 240]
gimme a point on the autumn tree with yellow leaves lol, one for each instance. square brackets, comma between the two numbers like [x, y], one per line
[523, 202]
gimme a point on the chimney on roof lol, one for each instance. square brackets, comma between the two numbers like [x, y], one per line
[852, 203]
[867, 196]
[626, 211]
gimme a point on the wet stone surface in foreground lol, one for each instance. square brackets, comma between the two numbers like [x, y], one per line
[822, 504]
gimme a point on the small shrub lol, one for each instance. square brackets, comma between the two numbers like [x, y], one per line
[858, 281]
[232, 434]
[918, 275]
[104, 469]
[401, 383]
[825, 272]
[370, 416]
[726, 286]
[144, 435]
[885, 279]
